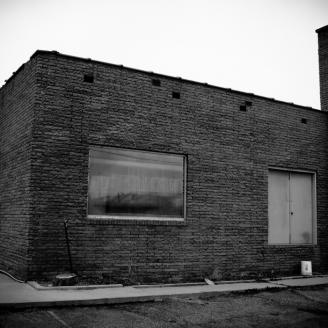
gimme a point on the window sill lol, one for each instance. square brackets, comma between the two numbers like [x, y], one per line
[292, 245]
[134, 220]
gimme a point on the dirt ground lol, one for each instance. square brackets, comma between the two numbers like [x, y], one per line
[288, 308]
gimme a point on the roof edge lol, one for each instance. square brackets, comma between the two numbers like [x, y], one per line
[320, 29]
[56, 53]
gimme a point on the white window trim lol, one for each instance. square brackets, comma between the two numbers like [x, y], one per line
[135, 218]
[140, 218]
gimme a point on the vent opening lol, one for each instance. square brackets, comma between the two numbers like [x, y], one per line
[243, 108]
[88, 78]
[156, 82]
[304, 120]
[176, 95]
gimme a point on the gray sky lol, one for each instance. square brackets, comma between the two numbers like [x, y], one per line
[267, 47]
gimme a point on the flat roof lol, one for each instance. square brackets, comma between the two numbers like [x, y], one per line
[53, 52]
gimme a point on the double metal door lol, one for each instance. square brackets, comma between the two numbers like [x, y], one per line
[291, 200]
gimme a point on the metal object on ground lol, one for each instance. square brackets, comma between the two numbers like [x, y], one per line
[65, 279]
[68, 244]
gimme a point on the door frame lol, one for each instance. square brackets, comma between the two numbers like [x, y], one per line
[314, 202]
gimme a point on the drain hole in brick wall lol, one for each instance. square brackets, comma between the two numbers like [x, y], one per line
[176, 95]
[304, 120]
[156, 82]
[88, 78]
[243, 108]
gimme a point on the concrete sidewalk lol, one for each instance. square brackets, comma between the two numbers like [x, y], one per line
[22, 295]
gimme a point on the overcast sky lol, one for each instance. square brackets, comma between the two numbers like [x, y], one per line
[267, 47]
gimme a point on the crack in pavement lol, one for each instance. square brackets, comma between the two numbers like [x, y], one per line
[56, 317]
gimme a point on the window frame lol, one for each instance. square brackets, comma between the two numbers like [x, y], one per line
[139, 218]
[314, 206]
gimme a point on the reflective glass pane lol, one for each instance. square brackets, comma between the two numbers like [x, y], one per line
[135, 183]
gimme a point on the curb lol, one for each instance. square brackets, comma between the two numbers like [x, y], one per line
[134, 298]
[78, 295]
[37, 286]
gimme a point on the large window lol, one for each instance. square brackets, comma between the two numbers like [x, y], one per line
[128, 184]
[291, 207]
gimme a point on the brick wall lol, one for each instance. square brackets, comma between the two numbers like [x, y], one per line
[16, 115]
[228, 153]
[323, 65]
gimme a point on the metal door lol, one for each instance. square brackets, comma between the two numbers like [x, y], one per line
[301, 205]
[290, 207]
[278, 207]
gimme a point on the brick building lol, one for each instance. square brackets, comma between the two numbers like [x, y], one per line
[163, 179]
